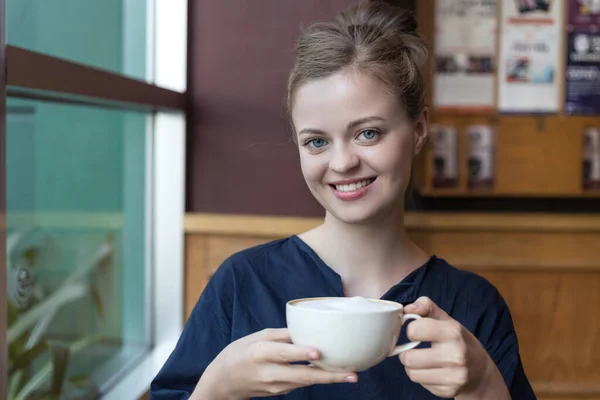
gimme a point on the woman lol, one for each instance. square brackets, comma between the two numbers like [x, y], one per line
[356, 104]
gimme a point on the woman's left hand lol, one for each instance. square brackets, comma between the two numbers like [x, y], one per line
[456, 365]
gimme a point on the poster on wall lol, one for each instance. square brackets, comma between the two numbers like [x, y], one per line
[465, 52]
[591, 158]
[582, 75]
[445, 156]
[583, 15]
[529, 77]
[482, 156]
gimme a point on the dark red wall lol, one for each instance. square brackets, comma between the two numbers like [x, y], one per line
[240, 157]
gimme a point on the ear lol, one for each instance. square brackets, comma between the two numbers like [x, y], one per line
[420, 135]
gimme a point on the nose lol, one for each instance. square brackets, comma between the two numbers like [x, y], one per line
[343, 160]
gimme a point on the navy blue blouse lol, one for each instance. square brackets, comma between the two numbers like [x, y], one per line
[249, 292]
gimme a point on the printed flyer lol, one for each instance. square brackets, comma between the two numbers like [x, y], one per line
[583, 15]
[582, 75]
[465, 54]
[530, 56]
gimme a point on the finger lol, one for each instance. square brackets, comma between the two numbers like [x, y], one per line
[425, 307]
[422, 359]
[435, 357]
[432, 330]
[274, 335]
[284, 379]
[283, 340]
[443, 391]
[303, 375]
[436, 376]
[284, 352]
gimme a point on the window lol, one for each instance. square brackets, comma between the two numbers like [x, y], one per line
[92, 162]
[108, 34]
[76, 229]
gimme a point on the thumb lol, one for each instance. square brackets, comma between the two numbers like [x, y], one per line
[425, 307]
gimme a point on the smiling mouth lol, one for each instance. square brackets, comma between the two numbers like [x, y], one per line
[352, 187]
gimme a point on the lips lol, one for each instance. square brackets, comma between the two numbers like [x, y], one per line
[351, 187]
[352, 190]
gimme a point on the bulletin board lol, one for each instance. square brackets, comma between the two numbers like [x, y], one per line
[536, 153]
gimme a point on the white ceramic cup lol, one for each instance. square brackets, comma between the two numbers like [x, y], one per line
[349, 340]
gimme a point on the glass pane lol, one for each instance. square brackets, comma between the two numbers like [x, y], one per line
[108, 34]
[76, 246]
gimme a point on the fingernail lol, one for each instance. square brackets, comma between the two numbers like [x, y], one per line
[351, 379]
[313, 355]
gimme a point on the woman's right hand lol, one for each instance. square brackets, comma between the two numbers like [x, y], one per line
[258, 365]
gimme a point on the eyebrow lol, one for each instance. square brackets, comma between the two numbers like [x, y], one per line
[351, 125]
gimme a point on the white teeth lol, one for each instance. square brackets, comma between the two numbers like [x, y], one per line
[352, 186]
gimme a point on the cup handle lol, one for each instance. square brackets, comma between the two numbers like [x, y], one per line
[410, 345]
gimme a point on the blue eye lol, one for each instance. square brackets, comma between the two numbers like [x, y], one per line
[369, 134]
[316, 143]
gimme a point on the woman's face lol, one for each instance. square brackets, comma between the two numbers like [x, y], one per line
[356, 145]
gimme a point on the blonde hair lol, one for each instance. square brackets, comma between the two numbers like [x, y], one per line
[374, 38]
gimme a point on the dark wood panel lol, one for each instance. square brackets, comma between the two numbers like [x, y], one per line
[36, 75]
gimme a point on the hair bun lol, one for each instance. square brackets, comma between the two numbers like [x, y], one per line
[382, 16]
[378, 38]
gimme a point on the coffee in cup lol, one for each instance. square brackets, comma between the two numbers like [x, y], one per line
[352, 333]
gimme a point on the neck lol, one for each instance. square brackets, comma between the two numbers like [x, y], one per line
[366, 242]
[368, 256]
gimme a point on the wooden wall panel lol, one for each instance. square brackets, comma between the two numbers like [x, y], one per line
[540, 156]
[546, 269]
[513, 250]
[204, 253]
[196, 272]
[222, 247]
[554, 315]
[592, 397]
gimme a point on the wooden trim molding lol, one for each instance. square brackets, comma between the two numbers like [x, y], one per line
[478, 242]
[574, 390]
[273, 226]
[247, 225]
[504, 222]
[36, 75]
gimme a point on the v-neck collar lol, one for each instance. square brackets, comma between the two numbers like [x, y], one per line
[405, 291]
